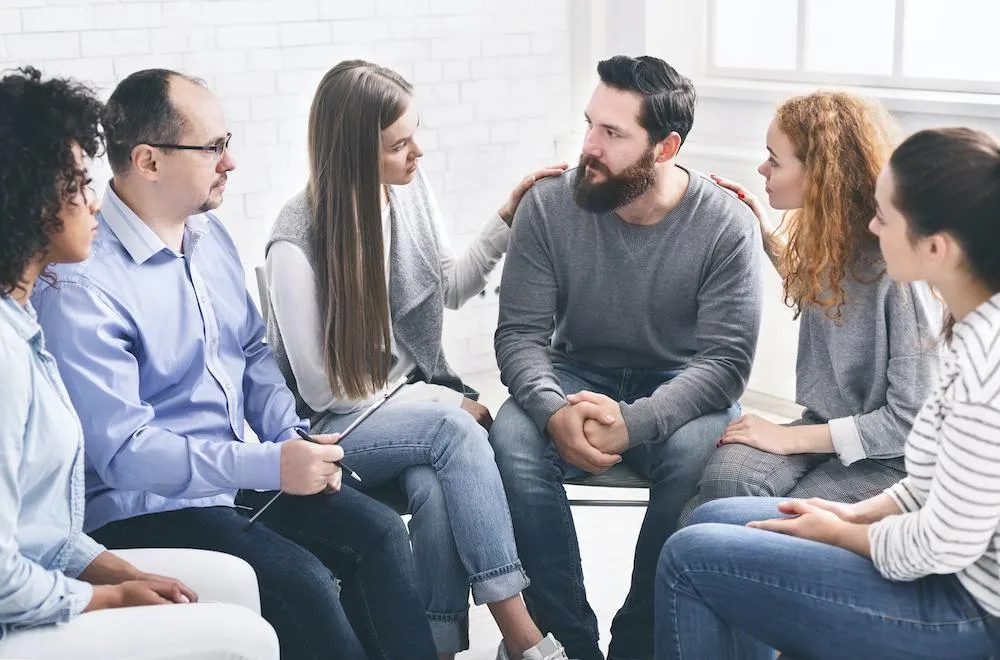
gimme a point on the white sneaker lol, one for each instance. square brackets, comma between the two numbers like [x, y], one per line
[547, 649]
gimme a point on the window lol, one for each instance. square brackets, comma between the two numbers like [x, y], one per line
[917, 44]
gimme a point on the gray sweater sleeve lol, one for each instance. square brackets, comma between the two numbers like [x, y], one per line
[913, 319]
[729, 313]
[528, 294]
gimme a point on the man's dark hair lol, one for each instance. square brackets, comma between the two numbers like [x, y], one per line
[39, 122]
[140, 112]
[668, 98]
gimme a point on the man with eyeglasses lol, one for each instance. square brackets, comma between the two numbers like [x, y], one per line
[162, 352]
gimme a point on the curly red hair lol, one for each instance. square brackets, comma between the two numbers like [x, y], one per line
[843, 141]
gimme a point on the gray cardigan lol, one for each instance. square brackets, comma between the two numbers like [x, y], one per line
[869, 375]
[416, 300]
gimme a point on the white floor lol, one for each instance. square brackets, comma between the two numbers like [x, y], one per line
[607, 537]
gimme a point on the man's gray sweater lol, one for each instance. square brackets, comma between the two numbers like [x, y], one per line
[681, 294]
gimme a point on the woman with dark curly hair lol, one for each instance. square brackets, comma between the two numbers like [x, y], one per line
[50, 571]
[866, 358]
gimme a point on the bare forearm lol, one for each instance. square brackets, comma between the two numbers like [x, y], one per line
[811, 439]
[105, 597]
[875, 508]
[854, 537]
[108, 568]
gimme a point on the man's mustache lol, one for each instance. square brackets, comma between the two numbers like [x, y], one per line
[594, 164]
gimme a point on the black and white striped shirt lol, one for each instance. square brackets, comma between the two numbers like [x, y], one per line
[951, 496]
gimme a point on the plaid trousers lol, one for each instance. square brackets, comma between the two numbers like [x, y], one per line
[739, 470]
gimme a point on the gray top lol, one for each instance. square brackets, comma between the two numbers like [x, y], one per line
[682, 294]
[416, 295]
[868, 376]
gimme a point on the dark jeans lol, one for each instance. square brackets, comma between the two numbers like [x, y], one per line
[533, 472]
[296, 549]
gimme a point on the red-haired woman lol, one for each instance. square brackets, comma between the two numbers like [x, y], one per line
[866, 357]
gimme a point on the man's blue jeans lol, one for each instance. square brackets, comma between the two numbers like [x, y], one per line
[533, 473]
[724, 590]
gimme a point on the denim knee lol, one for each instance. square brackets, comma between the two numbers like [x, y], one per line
[469, 439]
[515, 438]
[459, 433]
[709, 426]
[677, 552]
[714, 511]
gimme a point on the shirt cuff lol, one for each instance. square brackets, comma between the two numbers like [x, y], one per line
[73, 598]
[84, 553]
[846, 440]
[543, 407]
[80, 594]
[891, 561]
[289, 432]
[260, 466]
[875, 541]
[640, 422]
[902, 497]
[496, 234]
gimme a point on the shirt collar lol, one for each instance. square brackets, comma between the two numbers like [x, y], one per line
[134, 235]
[22, 319]
[985, 319]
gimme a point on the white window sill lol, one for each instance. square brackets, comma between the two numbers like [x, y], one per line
[896, 100]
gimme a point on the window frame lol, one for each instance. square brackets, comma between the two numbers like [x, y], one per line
[799, 74]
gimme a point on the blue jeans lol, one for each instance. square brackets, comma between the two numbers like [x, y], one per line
[724, 590]
[297, 548]
[533, 472]
[460, 530]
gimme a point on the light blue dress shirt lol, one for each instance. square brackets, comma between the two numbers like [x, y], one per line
[42, 544]
[163, 355]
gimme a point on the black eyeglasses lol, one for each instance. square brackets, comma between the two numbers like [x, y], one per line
[218, 147]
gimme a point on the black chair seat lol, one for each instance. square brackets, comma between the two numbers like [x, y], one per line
[617, 476]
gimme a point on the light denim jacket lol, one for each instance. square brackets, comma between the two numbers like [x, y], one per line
[42, 545]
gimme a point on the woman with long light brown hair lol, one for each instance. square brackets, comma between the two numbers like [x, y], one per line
[866, 357]
[359, 272]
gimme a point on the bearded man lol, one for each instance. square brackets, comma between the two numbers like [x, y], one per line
[629, 313]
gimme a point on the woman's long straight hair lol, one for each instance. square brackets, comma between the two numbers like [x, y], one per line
[354, 102]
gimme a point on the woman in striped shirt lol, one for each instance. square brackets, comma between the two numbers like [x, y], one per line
[915, 571]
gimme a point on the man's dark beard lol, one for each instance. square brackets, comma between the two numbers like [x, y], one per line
[618, 189]
[210, 204]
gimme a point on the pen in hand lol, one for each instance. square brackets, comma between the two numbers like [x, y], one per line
[407, 380]
[308, 438]
[349, 471]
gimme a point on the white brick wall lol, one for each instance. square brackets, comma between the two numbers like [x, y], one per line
[492, 79]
